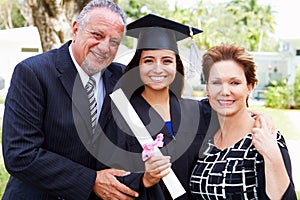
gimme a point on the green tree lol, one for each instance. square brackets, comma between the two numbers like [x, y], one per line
[244, 22]
[257, 19]
[10, 14]
[137, 8]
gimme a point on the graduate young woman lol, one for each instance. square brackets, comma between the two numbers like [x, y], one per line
[153, 82]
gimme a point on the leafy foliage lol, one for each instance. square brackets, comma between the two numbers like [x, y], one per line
[137, 8]
[243, 22]
[281, 95]
[10, 15]
[297, 89]
[278, 95]
[246, 23]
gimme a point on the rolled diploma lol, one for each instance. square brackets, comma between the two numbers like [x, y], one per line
[141, 133]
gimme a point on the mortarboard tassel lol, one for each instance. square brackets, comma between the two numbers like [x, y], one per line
[195, 59]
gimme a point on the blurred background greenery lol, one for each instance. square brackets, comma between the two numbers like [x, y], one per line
[249, 23]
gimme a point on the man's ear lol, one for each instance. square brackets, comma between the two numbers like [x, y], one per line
[74, 28]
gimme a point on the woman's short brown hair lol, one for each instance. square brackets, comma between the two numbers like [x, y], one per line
[230, 52]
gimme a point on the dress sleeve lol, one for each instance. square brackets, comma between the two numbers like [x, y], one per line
[290, 192]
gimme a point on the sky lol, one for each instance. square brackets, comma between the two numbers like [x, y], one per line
[287, 18]
[286, 14]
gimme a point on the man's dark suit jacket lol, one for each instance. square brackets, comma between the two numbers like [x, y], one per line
[42, 149]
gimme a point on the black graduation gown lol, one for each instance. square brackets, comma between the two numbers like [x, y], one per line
[190, 120]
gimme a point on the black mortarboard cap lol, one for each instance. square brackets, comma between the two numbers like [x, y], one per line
[155, 32]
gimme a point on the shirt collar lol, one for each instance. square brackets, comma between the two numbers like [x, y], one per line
[83, 76]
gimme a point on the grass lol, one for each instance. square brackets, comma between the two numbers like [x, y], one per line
[3, 173]
[284, 120]
[2, 99]
[3, 178]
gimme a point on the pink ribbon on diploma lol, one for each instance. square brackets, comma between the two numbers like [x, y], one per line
[148, 148]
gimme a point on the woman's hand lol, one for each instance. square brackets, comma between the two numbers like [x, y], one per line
[268, 119]
[156, 168]
[264, 138]
[265, 141]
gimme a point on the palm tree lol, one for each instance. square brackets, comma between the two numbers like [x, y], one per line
[257, 19]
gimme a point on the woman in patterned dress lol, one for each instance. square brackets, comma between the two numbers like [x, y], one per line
[242, 158]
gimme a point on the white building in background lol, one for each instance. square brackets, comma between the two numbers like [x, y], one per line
[16, 45]
[277, 65]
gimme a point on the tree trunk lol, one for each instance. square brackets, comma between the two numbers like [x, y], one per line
[54, 19]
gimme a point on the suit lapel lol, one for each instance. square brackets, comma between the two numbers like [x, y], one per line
[109, 82]
[72, 83]
[66, 69]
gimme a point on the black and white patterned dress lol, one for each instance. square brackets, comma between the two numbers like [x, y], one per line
[231, 173]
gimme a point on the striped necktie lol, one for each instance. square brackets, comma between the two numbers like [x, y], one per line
[92, 100]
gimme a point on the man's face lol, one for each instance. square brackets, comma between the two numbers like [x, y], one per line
[95, 44]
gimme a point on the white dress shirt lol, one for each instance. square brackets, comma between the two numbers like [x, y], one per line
[99, 89]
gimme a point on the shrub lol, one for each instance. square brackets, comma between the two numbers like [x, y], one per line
[297, 89]
[278, 95]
